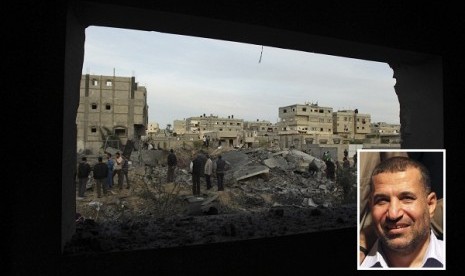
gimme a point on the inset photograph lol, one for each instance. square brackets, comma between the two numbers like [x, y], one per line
[401, 195]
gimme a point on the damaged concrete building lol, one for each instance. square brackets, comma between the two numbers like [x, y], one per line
[299, 125]
[351, 125]
[112, 110]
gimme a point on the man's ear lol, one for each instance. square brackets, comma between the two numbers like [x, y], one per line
[432, 202]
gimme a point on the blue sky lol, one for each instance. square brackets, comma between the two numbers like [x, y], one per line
[190, 76]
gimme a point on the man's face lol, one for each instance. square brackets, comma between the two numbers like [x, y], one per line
[401, 210]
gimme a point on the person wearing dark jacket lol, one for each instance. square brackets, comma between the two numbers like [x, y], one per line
[83, 176]
[330, 170]
[100, 174]
[220, 168]
[125, 169]
[172, 162]
[196, 170]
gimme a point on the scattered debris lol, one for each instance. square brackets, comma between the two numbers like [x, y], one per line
[265, 190]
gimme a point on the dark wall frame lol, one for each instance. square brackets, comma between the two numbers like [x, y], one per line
[54, 56]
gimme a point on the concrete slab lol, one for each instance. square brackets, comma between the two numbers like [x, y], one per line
[277, 161]
[249, 171]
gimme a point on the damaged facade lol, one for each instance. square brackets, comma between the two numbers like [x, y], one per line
[112, 110]
[299, 125]
[349, 124]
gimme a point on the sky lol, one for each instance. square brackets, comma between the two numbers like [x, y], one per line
[189, 76]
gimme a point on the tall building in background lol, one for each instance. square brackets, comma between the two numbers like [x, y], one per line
[112, 111]
[306, 119]
[351, 125]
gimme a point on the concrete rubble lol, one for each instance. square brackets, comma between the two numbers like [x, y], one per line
[260, 185]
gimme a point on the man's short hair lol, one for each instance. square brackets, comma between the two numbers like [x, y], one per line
[400, 164]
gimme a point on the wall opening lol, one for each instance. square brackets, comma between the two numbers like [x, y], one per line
[424, 67]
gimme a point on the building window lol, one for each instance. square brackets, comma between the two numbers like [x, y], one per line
[284, 110]
[304, 109]
[108, 106]
[321, 129]
[93, 106]
[94, 82]
[120, 131]
[93, 129]
[109, 83]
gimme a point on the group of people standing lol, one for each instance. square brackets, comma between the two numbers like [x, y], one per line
[200, 166]
[331, 166]
[103, 174]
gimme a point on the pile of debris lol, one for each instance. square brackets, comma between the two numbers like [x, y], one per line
[267, 193]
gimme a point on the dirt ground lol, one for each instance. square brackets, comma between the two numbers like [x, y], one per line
[156, 214]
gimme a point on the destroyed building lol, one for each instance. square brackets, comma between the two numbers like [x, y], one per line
[268, 192]
[112, 110]
[425, 55]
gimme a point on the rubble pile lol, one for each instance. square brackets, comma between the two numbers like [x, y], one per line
[267, 193]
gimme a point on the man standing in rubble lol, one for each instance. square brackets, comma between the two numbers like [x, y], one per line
[172, 162]
[110, 163]
[220, 169]
[83, 175]
[330, 169]
[125, 170]
[208, 171]
[117, 170]
[196, 170]
[100, 174]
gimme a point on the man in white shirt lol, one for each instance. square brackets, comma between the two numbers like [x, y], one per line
[402, 205]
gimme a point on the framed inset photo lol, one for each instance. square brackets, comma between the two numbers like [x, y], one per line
[401, 209]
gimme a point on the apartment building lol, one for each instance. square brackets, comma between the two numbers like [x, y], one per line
[112, 110]
[180, 127]
[153, 128]
[309, 119]
[385, 128]
[228, 131]
[259, 127]
[351, 125]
